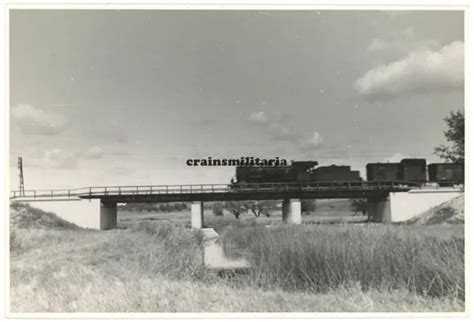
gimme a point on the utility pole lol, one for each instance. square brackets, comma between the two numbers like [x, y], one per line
[22, 183]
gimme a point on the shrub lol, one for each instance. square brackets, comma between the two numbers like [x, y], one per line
[217, 209]
[359, 205]
[236, 208]
[308, 205]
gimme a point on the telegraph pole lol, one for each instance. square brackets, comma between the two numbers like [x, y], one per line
[22, 183]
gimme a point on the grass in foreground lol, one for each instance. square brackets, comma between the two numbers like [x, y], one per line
[157, 267]
[319, 258]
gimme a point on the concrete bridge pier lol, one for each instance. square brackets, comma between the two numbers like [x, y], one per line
[197, 214]
[108, 216]
[291, 210]
[378, 209]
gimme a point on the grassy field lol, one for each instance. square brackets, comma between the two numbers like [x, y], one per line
[318, 259]
[156, 266]
[327, 211]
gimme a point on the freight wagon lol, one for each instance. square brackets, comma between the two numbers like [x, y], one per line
[413, 170]
[409, 170]
[382, 171]
[446, 173]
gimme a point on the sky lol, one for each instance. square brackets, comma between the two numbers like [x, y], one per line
[125, 97]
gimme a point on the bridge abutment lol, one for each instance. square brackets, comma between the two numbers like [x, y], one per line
[291, 211]
[407, 205]
[403, 206]
[197, 214]
[91, 214]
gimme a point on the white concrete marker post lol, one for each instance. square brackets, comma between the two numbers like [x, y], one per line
[214, 255]
[197, 214]
[291, 211]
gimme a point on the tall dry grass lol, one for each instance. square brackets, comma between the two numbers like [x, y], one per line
[322, 258]
[157, 267]
[24, 217]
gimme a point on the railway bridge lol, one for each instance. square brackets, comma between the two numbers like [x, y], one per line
[96, 207]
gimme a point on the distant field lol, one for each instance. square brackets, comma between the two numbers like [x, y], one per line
[155, 265]
[327, 211]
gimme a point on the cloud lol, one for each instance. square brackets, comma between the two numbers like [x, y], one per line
[35, 121]
[122, 170]
[397, 47]
[316, 140]
[258, 118]
[312, 146]
[55, 159]
[94, 152]
[275, 125]
[420, 71]
[60, 159]
[377, 44]
[282, 133]
[278, 128]
[399, 43]
[397, 157]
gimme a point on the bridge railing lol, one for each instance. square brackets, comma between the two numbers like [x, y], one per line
[103, 191]
[53, 193]
[155, 189]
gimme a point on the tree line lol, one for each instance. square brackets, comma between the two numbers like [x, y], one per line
[156, 207]
[257, 208]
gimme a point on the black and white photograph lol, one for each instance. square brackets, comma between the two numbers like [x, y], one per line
[267, 160]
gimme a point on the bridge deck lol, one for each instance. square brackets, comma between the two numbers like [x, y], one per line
[221, 192]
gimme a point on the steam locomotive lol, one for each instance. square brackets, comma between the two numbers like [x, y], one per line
[407, 170]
